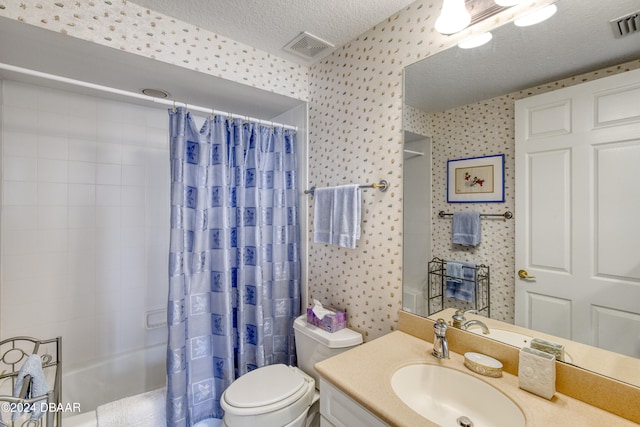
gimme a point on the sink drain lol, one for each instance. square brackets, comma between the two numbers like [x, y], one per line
[464, 422]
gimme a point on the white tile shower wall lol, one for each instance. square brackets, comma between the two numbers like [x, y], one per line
[85, 214]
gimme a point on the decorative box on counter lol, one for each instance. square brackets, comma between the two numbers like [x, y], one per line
[328, 318]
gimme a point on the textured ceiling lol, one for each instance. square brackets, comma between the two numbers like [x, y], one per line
[270, 25]
[577, 39]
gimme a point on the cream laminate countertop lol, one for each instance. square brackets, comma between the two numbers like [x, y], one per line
[614, 365]
[365, 372]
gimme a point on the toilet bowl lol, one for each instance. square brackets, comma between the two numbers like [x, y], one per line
[285, 396]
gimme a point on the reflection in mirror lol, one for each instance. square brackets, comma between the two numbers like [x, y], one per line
[461, 102]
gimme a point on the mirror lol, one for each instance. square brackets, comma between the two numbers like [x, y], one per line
[445, 90]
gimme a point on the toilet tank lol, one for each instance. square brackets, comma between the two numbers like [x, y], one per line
[314, 344]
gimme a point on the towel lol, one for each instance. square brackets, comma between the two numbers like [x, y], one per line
[142, 410]
[466, 228]
[33, 367]
[460, 280]
[337, 215]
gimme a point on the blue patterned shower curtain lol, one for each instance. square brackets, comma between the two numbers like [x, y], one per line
[234, 263]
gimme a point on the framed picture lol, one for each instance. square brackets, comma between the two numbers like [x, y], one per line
[476, 179]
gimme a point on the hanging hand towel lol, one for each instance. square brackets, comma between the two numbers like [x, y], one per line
[453, 279]
[337, 215]
[460, 281]
[32, 367]
[466, 229]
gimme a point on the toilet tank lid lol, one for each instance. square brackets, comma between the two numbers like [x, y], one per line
[339, 339]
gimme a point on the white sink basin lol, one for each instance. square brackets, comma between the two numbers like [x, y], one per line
[512, 338]
[443, 395]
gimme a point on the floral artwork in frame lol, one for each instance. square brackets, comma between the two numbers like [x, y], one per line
[476, 179]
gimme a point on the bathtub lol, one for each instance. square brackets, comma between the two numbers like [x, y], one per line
[130, 374]
[86, 419]
[146, 409]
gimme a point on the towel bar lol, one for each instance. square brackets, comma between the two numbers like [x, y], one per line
[506, 215]
[383, 185]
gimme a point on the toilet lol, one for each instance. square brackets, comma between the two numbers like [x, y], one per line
[286, 396]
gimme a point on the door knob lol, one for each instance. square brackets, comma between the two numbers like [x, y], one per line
[524, 275]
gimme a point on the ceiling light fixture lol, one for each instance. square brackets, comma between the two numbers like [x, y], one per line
[454, 17]
[475, 41]
[536, 16]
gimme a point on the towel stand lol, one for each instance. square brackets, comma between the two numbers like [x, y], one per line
[383, 185]
[436, 284]
[506, 215]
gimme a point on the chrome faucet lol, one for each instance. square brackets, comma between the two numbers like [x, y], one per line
[468, 324]
[458, 318]
[440, 344]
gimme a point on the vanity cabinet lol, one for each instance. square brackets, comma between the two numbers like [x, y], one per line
[339, 410]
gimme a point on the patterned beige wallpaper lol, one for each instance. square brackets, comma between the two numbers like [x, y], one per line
[123, 25]
[355, 104]
[416, 121]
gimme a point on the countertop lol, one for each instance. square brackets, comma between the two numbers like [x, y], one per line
[614, 365]
[364, 373]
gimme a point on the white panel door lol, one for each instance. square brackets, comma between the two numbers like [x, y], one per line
[578, 213]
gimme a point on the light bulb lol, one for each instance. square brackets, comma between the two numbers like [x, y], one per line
[536, 16]
[453, 17]
[475, 41]
[507, 3]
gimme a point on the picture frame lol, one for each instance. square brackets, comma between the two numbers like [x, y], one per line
[476, 179]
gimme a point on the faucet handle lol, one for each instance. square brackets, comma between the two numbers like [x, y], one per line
[458, 319]
[440, 327]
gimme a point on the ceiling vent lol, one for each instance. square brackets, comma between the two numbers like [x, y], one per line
[308, 46]
[626, 25]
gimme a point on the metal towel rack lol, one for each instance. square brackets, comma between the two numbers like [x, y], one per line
[383, 185]
[506, 215]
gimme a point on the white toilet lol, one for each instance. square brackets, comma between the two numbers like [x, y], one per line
[281, 395]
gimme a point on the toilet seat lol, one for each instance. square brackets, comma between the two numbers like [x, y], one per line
[267, 388]
[276, 394]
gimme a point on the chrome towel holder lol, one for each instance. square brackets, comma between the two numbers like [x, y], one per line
[383, 186]
[506, 215]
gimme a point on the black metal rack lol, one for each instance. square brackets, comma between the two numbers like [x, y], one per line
[437, 279]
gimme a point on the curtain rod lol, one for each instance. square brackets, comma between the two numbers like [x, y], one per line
[121, 92]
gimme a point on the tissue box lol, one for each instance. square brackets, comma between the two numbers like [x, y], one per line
[330, 322]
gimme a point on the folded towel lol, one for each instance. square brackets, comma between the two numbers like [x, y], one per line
[142, 410]
[466, 228]
[33, 368]
[460, 280]
[337, 215]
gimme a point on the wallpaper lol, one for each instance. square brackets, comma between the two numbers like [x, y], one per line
[355, 116]
[416, 121]
[126, 26]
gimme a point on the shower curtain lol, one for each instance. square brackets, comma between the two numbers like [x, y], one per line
[234, 263]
